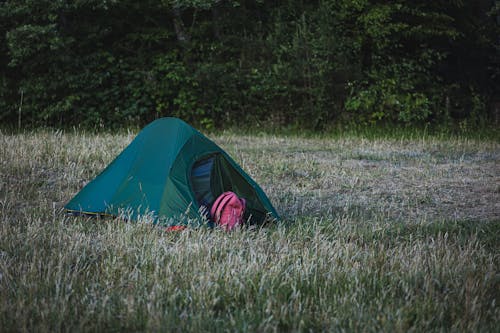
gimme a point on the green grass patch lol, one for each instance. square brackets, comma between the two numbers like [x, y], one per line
[377, 235]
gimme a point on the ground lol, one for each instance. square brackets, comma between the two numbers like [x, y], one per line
[392, 234]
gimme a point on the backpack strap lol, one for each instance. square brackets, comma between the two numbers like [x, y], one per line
[219, 204]
[216, 204]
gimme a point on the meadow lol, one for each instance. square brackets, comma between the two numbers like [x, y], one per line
[393, 234]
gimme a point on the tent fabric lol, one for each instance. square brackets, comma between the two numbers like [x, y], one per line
[168, 172]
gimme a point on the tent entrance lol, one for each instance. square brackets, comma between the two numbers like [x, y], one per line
[201, 181]
[213, 175]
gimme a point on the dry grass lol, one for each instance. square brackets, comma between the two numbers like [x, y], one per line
[377, 235]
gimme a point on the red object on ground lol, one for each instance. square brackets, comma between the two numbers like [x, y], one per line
[176, 228]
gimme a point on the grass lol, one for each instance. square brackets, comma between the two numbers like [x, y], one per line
[393, 234]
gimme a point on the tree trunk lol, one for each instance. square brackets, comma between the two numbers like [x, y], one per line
[216, 20]
[180, 30]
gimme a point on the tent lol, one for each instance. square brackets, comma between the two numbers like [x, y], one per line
[170, 171]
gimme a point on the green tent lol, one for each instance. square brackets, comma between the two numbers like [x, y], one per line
[170, 171]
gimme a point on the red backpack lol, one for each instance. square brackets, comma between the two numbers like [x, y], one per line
[228, 210]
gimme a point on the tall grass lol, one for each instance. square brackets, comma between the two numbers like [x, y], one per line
[377, 235]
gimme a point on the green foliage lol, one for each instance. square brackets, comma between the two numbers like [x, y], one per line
[217, 63]
[400, 82]
[384, 101]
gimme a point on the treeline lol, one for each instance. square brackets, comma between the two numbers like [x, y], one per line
[214, 62]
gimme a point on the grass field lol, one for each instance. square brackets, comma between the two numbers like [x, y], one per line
[376, 235]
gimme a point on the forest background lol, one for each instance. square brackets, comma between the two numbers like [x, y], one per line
[278, 64]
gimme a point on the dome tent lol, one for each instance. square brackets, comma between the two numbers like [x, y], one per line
[168, 172]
